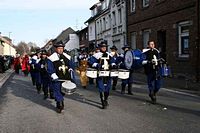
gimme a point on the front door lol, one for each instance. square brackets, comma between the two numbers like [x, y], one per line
[161, 36]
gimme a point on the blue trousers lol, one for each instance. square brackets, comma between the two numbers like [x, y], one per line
[57, 91]
[104, 84]
[38, 78]
[153, 83]
[46, 84]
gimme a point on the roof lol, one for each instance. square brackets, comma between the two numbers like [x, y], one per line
[64, 35]
[99, 12]
[48, 43]
[7, 41]
[82, 30]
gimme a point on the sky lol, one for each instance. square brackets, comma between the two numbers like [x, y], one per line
[40, 20]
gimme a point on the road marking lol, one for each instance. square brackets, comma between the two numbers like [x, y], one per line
[179, 92]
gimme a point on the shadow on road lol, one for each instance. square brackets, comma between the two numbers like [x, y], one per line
[136, 90]
[22, 87]
[80, 98]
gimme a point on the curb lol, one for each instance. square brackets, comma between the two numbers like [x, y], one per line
[5, 75]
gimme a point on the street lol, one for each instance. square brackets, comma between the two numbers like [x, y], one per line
[22, 110]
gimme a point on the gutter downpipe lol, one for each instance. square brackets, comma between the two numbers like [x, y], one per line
[198, 41]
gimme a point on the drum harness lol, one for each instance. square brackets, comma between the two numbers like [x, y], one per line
[105, 67]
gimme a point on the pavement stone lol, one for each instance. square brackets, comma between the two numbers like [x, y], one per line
[4, 76]
[174, 83]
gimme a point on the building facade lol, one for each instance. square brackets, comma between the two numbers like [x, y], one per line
[1, 47]
[172, 24]
[83, 38]
[108, 22]
[118, 23]
[6, 47]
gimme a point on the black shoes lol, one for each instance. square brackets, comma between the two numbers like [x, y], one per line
[63, 94]
[113, 88]
[84, 87]
[60, 106]
[45, 97]
[122, 92]
[130, 93]
[153, 97]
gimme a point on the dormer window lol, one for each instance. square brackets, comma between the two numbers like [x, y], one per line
[94, 11]
[103, 5]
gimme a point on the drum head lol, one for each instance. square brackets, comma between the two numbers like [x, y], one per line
[68, 85]
[133, 59]
[128, 59]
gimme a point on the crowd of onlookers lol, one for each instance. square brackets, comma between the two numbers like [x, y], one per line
[5, 62]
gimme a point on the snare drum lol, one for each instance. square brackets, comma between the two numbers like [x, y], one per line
[68, 87]
[92, 73]
[123, 74]
[114, 73]
[104, 73]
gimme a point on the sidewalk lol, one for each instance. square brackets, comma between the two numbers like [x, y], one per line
[4, 76]
[173, 83]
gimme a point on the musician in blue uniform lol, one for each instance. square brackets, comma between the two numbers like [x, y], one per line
[34, 62]
[32, 69]
[103, 61]
[45, 78]
[128, 81]
[60, 67]
[151, 66]
[116, 57]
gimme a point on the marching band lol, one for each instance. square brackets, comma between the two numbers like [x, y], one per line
[55, 74]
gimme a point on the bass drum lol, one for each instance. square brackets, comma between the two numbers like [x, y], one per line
[133, 59]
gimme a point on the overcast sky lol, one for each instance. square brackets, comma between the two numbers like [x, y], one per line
[39, 20]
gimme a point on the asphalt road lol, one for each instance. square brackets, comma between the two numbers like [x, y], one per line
[22, 110]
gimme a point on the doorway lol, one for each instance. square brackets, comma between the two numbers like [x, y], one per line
[161, 36]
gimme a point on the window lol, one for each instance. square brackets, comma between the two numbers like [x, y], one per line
[100, 26]
[90, 30]
[133, 40]
[132, 4]
[82, 38]
[120, 16]
[145, 36]
[109, 21]
[145, 3]
[104, 24]
[86, 36]
[114, 18]
[183, 33]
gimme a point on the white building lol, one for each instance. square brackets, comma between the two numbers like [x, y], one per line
[108, 22]
[118, 26]
[73, 42]
[7, 48]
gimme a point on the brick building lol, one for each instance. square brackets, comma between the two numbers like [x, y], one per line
[173, 25]
[83, 38]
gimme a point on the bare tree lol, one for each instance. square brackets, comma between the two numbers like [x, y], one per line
[22, 48]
